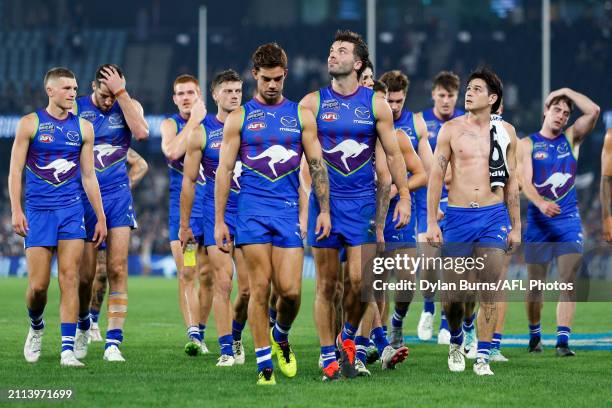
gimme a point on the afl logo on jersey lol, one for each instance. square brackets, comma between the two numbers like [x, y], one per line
[540, 155]
[329, 117]
[73, 136]
[215, 145]
[46, 138]
[255, 126]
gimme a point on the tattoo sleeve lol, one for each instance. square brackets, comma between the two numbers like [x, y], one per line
[320, 182]
[606, 196]
[382, 203]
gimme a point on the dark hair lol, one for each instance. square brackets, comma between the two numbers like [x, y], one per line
[562, 98]
[447, 80]
[368, 64]
[185, 78]
[229, 75]
[269, 55]
[379, 86]
[58, 72]
[360, 48]
[494, 84]
[396, 81]
[99, 72]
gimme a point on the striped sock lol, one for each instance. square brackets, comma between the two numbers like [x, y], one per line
[237, 329]
[535, 331]
[68, 331]
[225, 344]
[348, 332]
[280, 332]
[429, 306]
[563, 334]
[443, 322]
[496, 343]
[193, 332]
[272, 316]
[36, 319]
[95, 315]
[84, 321]
[379, 338]
[456, 336]
[264, 358]
[202, 329]
[361, 344]
[114, 337]
[397, 320]
[484, 349]
[468, 323]
[385, 330]
[328, 355]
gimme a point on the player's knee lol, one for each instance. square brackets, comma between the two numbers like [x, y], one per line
[222, 287]
[187, 275]
[291, 296]
[244, 294]
[102, 277]
[38, 289]
[326, 288]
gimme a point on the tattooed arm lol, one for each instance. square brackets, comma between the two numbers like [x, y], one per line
[606, 186]
[138, 167]
[383, 191]
[436, 178]
[318, 171]
[511, 191]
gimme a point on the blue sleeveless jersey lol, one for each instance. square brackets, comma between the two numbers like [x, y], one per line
[554, 173]
[211, 145]
[270, 152]
[406, 123]
[53, 163]
[347, 132]
[175, 175]
[112, 141]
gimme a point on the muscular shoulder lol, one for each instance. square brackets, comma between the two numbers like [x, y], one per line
[310, 101]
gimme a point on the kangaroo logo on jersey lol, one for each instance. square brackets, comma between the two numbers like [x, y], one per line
[57, 168]
[554, 182]
[276, 154]
[348, 152]
[106, 150]
[236, 174]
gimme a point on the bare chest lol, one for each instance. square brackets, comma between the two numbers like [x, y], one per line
[471, 144]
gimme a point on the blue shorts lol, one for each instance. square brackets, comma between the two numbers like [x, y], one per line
[405, 235]
[282, 232]
[467, 228]
[352, 222]
[47, 227]
[208, 223]
[548, 239]
[174, 225]
[421, 214]
[117, 208]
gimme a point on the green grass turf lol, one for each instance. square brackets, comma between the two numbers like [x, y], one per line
[158, 373]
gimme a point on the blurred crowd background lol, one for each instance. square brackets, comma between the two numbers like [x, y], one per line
[155, 41]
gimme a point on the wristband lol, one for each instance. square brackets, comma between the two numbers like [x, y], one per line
[120, 92]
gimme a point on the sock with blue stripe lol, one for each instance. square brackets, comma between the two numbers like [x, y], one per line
[237, 329]
[496, 343]
[113, 338]
[280, 332]
[272, 316]
[443, 322]
[202, 330]
[225, 344]
[348, 332]
[95, 315]
[36, 319]
[361, 344]
[264, 358]
[468, 323]
[484, 349]
[456, 336]
[563, 334]
[397, 320]
[429, 305]
[84, 321]
[328, 355]
[68, 331]
[193, 332]
[384, 330]
[379, 338]
[535, 331]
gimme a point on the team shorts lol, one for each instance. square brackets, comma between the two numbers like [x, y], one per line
[196, 224]
[47, 227]
[118, 209]
[548, 239]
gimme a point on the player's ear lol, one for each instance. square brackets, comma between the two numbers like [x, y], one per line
[254, 73]
[285, 74]
[93, 86]
[357, 65]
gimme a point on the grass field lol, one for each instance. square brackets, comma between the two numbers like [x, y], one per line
[158, 373]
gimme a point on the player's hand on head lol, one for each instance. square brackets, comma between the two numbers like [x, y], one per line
[323, 227]
[514, 241]
[20, 223]
[100, 232]
[223, 238]
[186, 237]
[112, 79]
